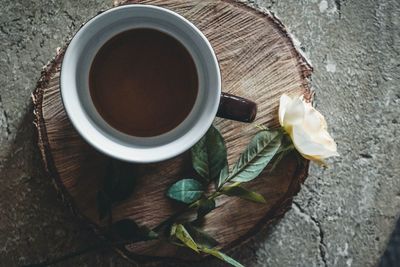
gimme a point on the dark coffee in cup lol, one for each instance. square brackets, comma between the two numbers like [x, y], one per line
[143, 82]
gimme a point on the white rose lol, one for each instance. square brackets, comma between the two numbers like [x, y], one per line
[307, 129]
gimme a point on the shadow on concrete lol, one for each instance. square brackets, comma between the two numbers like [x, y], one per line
[34, 223]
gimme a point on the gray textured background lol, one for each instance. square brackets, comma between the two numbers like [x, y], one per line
[342, 217]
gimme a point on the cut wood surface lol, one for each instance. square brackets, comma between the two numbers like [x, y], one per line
[258, 61]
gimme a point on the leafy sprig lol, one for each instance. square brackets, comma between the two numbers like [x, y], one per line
[209, 159]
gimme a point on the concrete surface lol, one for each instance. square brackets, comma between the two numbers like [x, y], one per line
[343, 216]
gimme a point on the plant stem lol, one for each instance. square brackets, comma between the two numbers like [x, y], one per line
[236, 184]
[174, 216]
[214, 195]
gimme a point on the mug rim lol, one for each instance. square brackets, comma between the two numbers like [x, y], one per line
[98, 139]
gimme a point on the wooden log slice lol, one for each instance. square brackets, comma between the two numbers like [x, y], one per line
[259, 61]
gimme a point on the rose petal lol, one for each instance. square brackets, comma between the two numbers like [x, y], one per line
[313, 120]
[294, 113]
[325, 139]
[307, 145]
[283, 104]
[316, 159]
[321, 137]
[307, 129]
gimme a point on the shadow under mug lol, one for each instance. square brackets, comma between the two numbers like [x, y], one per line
[210, 102]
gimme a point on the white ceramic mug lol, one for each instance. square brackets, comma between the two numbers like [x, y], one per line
[95, 130]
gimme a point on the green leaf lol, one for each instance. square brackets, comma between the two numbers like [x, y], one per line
[238, 191]
[180, 232]
[200, 237]
[223, 176]
[128, 229]
[103, 204]
[218, 254]
[205, 207]
[186, 191]
[118, 185]
[256, 157]
[119, 180]
[209, 155]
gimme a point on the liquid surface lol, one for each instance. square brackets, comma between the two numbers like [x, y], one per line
[143, 82]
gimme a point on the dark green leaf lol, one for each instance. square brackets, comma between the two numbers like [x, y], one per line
[103, 205]
[238, 191]
[186, 191]
[209, 155]
[223, 175]
[119, 180]
[205, 206]
[200, 237]
[257, 155]
[200, 158]
[218, 254]
[179, 231]
[127, 229]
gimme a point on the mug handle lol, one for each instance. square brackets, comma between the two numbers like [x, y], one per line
[236, 108]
